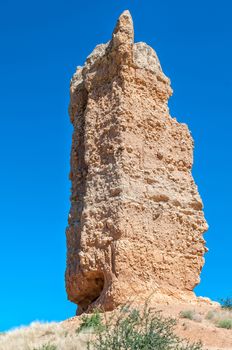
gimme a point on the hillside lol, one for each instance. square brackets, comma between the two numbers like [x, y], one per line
[199, 321]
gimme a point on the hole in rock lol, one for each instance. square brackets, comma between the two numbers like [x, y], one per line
[94, 284]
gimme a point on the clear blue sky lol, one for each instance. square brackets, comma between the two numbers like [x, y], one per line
[41, 43]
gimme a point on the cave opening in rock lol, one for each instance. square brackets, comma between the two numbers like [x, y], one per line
[93, 287]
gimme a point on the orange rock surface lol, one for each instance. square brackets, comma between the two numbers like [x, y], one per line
[136, 219]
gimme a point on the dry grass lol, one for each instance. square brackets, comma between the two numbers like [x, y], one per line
[38, 335]
[221, 318]
[63, 336]
[191, 315]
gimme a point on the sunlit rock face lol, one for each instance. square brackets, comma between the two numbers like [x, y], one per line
[136, 220]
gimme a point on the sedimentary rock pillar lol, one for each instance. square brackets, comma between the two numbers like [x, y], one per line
[136, 220]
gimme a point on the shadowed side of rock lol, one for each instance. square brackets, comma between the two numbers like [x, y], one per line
[136, 220]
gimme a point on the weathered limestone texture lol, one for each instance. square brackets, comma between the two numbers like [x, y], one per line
[136, 220]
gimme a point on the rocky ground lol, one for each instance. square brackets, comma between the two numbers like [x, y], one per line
[195, 321]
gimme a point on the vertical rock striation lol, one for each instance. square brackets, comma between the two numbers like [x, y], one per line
[136, 220]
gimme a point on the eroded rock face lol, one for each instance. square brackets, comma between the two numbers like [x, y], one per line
[136, 220]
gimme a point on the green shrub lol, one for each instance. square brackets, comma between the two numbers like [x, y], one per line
[93, 321]
[189, 314]
[226, 303]
[139, 330]
[46, 347]
[225, 323]
[210, 315]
